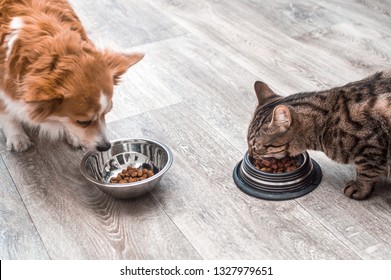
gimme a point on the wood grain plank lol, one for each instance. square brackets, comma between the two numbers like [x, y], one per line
[363, 226]
[382, 7]
[266, 51]
[372, 14]
[19, 238]
[219, 220]
[363, 47]
[77, 221]
[291, 18]
[124, 23]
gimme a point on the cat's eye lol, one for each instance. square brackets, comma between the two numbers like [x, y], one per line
[84, 123]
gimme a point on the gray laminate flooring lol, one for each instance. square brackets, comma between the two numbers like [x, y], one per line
[194, 92]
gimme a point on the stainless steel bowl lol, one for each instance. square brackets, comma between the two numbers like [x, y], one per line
[99, 167]
[279, 186]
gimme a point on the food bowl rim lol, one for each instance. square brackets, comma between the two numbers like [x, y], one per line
[118, 185]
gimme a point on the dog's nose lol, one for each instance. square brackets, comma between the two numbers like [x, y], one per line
[102, 147]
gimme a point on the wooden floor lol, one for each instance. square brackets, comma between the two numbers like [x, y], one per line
[194, 92]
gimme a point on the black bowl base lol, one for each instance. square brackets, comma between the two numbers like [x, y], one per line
[270, 195]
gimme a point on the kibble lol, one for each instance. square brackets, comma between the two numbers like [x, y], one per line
[131, 175]
[273, 165]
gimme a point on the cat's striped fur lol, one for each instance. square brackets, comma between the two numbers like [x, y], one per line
[350, 124]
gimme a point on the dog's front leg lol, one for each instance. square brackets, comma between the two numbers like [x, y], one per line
[17, 139]
[73, 141]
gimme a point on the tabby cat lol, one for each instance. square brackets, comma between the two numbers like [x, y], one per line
[350, 124]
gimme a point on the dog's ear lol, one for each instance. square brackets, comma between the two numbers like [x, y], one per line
[119, 63]
[40, 89]
[42, 100]
[42, 82]
[42, 96]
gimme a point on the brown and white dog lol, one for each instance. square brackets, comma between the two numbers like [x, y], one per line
[52, 77]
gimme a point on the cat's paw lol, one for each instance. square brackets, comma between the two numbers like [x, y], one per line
[356, 191]
[18, 143]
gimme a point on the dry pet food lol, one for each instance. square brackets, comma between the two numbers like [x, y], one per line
[273, 165]
[131, 175]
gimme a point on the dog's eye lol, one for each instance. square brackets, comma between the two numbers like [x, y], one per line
[84, 123]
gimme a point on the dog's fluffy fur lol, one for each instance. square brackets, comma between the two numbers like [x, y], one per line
[52, 76]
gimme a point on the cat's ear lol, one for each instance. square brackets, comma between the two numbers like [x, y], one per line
[263, 92]
[282, 117]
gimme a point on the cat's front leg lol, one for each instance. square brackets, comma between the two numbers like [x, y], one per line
[368, 172]
[389, 169]
[358, 190]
